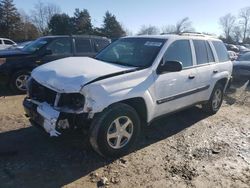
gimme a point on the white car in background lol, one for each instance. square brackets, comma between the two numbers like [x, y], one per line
[6, 43]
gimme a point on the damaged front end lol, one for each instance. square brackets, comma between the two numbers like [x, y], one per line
[55, 112]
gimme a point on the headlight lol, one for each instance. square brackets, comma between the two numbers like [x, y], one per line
[2, 61]
[73, 100]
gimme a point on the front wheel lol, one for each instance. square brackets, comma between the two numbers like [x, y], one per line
[18, 81]
[215, 101]
[115, 130]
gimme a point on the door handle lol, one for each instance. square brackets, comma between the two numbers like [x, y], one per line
[215, 71]
[191, 77]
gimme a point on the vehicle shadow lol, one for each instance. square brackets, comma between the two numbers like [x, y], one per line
[5, 91]
[29, 158]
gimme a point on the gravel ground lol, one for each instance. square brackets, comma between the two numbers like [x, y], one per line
[187, 149]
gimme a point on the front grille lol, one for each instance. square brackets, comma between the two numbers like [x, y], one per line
[41, 93]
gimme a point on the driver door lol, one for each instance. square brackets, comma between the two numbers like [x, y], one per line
[175, 90]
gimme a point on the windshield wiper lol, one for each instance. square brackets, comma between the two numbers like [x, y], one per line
[122, 63]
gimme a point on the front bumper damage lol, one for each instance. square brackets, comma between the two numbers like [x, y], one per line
[53, 121]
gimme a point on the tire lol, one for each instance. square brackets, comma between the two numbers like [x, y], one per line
[16, 83]
[105, 125]
[215, 102]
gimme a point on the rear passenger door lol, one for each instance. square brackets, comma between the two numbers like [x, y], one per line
[83, 47]
[205, 66]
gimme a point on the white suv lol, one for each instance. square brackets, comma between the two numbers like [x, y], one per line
[128, 84]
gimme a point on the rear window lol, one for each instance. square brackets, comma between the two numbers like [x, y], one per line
[221, 51]
[100, 44]
[83, 45]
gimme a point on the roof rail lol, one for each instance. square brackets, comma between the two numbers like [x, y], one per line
[193, 34]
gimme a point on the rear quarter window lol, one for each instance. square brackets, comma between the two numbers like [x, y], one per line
[221, 51]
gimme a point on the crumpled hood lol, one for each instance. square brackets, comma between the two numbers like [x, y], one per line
[68, 75]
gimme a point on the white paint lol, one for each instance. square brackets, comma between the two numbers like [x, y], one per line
[50, 118]
[68, 75]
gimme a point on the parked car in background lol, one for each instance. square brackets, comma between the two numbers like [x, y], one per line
[232, 55]
[6, 43]
[16, 65]
[243, 49]
[241, 68]
[232, 47]
[247, 45]
[135, 81]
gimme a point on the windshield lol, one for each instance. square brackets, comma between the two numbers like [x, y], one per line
[136, 52]
[36, 45]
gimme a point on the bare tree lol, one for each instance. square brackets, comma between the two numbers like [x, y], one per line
[227, 23]
[148, 30]
[42, 15]
[28, 29]
[182, 26]
[237, 34]
[169, 29]
[245, 22]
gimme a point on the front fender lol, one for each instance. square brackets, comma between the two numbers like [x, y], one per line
[97, 98]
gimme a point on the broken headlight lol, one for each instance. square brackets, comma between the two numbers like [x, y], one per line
[72, 101]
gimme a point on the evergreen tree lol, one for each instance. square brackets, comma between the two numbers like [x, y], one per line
[111, 27]
[10, 21]
[82, 22]
[60, 24]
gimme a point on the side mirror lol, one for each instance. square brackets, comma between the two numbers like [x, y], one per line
[48, 52]
[169, 66]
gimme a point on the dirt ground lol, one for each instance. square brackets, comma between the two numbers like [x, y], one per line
[187, 149]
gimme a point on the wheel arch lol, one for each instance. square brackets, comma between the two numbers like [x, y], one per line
[139, 104]
[223, 82]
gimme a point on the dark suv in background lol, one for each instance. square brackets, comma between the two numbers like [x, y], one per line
[16, 65]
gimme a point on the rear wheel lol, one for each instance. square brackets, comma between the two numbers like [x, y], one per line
[215, 101]
[115, 130]
[19, 80]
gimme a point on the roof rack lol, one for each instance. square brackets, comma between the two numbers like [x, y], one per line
[193, 34]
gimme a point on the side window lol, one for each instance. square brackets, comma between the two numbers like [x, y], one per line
[180, 51]
[100, 44]
[201, 52]
[221, 51]
[83, 45]
[210, 53]
[60, 46]
[8, 42]
[1, 42]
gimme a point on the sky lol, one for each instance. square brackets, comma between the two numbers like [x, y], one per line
[135, 13]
